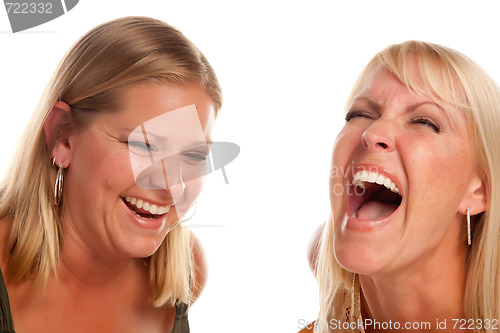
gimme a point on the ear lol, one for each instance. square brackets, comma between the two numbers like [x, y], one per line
[476, 198]
[56, 129]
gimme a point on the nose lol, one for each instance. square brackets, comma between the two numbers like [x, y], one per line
[171, 173]
[165, 174]
[379, 136]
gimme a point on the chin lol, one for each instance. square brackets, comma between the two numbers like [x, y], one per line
[142, 248]
[358, 257]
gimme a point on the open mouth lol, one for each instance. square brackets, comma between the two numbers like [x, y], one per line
[372, 196]
[144, 209]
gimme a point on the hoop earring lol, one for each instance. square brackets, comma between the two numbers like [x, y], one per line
[468, 227]
[58, 186]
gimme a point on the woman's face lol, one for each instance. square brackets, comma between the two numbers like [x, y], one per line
[130, 175]
[421, 158]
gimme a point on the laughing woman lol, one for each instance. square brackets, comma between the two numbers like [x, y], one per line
[90, 209]
[413, 242]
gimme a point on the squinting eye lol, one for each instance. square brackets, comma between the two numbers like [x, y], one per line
[141, 146]
[353, 114]
[428, 122]
[196, 157]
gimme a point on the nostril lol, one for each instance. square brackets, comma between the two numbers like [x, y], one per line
[383, 145]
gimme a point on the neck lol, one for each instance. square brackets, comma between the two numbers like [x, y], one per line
[431, 291]
[80, 266]
[92, 271]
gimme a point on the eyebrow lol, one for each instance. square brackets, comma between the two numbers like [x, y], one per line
[377, 107]
[154, 137]
[374, 105]
[417, 105]
[150, 134]
[196, 144]
[147, 135]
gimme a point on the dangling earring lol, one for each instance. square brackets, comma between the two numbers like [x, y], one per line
[58, 186]
[468, 227]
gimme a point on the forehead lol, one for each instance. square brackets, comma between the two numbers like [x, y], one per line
[181, 125]
[163, 106]
[422, 76]
[380, 80]
[144, 101]
[381, 86]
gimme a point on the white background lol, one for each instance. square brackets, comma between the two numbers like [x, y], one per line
[286, 68]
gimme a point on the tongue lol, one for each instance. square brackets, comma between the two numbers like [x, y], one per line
[375, 210]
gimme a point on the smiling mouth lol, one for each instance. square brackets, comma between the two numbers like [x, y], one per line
[373, 196]
[144, 209]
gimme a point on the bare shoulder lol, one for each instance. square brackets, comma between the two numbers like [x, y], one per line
[200, 267]
[313, 248]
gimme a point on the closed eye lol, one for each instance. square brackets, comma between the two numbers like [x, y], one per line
[196, 157]
[427, 122]
[357, 113]
[143, 146]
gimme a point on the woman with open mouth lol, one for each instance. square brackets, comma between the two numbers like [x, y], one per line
[109, 165]
[413, 240]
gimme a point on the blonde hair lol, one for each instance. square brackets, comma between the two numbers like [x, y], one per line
[447, 75]
[104, 61]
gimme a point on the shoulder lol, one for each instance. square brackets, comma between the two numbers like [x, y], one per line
[200, 270]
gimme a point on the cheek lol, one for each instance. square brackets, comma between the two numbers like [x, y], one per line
[437, 176]
[345, 147]
[193, 188]
[114, 167]
[108, 169]
[340, 155]
[346, 144]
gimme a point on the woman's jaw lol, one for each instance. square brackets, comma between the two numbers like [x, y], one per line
[369, 216]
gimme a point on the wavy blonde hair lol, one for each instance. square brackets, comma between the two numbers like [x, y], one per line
[104, 61]
[446, 75]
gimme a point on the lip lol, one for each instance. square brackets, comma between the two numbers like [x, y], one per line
[145, 224]
[364, 225]
[152, 202]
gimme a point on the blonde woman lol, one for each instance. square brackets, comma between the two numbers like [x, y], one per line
[106, 169]
[413, 242]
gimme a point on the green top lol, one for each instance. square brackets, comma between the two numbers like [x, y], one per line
[181, 324]
[6, 322]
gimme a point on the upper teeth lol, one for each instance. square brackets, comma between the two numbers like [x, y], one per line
[153, 209]
[365, 176]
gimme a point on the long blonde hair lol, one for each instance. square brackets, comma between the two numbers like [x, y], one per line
[107, 59]
[448, 75]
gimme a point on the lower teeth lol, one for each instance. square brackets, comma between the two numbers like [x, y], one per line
[143, 217]
[146, 217]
